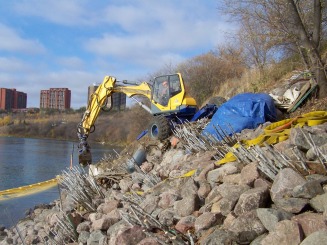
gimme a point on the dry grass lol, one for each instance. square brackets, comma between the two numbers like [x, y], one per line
[251, 82]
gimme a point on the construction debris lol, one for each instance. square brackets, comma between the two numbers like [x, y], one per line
[294, 91]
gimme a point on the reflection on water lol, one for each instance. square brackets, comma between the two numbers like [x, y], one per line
[26, 161]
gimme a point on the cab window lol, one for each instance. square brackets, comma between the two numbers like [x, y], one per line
[175, 85]
[161, 91]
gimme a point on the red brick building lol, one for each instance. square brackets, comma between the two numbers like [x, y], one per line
[12, 99]
[55, 98]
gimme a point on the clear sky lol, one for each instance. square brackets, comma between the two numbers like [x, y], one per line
[75, 43]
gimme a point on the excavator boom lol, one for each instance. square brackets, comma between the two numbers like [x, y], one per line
[97, 101]
[100, 97]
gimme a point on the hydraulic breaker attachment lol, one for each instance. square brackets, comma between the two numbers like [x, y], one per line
[84, 152]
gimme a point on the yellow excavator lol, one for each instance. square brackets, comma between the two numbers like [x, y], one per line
[169, 104]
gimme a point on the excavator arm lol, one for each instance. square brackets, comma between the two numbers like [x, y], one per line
[97, 102]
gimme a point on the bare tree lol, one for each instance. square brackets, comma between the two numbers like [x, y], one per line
[206, 73]
[288, 23]
[201, 74]
[258, 51]
[308, 37]
[166, 68]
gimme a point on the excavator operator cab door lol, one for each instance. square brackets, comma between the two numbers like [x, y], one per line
[165, 88]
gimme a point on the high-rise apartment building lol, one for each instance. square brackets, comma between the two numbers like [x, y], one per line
[119, 99]
[91, 89]
[12, 99]
[55, 98]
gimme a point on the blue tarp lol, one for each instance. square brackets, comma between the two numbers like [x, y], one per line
[243, 111]
[206, 111]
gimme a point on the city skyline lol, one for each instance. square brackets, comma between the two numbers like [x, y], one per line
[55, 98]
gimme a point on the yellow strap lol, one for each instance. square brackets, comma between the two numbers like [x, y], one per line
[279, 131]
[279, 126]
[313, 118]
[188, 174]
[229, 157]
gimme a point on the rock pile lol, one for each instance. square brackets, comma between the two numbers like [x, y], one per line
[180, 197]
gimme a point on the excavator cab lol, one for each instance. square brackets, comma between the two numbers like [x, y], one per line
[164, 88]
[169, 96]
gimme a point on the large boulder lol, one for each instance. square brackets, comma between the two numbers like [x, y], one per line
[284, 183]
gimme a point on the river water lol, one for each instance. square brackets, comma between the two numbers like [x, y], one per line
[25, 161]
